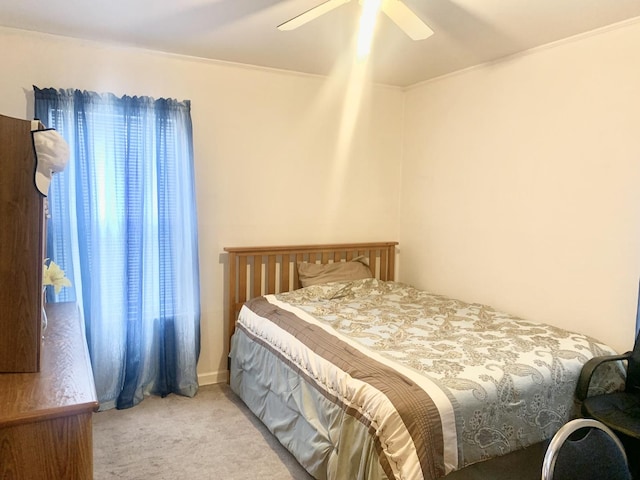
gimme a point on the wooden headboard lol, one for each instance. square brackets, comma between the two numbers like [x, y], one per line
[255, 271]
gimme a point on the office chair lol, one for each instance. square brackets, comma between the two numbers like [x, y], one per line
[620, 411]
[585, 449]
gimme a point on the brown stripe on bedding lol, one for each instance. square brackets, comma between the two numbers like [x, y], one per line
[414, 405]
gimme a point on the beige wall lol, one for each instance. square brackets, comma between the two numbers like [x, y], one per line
[270, 160]
[521, 184]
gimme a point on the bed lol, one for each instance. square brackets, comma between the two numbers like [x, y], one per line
[362, 377]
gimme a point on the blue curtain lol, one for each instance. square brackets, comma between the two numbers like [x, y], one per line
[123, 227]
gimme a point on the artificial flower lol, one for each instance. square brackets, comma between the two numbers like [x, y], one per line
[52, 274]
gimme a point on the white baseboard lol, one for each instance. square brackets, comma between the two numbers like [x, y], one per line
[213, 377]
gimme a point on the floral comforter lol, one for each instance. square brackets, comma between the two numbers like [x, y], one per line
[462, 382]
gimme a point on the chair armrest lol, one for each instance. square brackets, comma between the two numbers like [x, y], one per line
[590, 367]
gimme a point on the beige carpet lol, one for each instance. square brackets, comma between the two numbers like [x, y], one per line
[210, 436]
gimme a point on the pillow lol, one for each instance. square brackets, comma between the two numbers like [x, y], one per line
[315, 273]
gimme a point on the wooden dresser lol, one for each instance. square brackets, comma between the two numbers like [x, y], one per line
[22, 248]
[45, 417]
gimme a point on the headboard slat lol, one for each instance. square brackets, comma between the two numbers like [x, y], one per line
[383, 262]
[271, 275]
[284, 272]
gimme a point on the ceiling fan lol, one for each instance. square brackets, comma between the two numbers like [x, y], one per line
[397, 11]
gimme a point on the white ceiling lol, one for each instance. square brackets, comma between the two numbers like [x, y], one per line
[467, 32]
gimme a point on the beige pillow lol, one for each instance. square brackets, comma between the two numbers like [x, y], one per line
[315, 273]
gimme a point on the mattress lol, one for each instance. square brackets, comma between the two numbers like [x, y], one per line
[378, 380]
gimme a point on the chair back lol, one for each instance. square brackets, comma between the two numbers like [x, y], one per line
[633, 368]
[585, 449]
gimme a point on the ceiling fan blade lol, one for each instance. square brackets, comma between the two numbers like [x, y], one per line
[311, 14]
[408, 21]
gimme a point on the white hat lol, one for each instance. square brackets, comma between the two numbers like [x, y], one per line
[52, 155]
